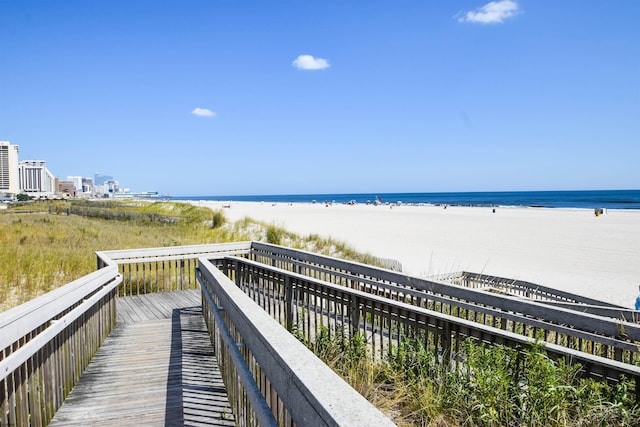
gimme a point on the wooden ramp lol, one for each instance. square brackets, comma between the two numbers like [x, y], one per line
[157, 368]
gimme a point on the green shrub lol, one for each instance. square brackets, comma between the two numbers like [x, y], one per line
[217, 219]
[275, 235]
[489, 386]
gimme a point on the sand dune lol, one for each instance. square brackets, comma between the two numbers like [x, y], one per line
[569, 249]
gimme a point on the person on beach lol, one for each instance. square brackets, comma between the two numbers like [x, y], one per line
[638, 300]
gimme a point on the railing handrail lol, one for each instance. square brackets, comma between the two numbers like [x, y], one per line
[311, 391]
[481, 329]
[555, 294]
[531, 321]
[389, 279]
[46, 343]
[258, 402]
[170, 253]
[20, 356]
[16, 322]
[164, 269]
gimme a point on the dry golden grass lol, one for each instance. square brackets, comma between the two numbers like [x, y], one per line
[41, 251]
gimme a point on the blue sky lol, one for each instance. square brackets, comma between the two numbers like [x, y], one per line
[283, 97]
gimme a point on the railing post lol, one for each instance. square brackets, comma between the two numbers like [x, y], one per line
[288, 290]
[445, 342]
[237, 273]
[354, 315]
[182, 277]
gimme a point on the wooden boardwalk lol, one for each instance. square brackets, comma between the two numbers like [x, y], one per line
[157, 368]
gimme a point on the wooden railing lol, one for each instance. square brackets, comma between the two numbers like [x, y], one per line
[46, 343]
[539, 293]
[164, 269]
[519, 288]
[317, 395]
[571, 327]
[271, 377]
[558, 318]
[311, 306]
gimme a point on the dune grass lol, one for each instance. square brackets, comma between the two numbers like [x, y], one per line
[41, 251]
[42, 247]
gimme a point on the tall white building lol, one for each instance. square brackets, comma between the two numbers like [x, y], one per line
[9, 181]
[77, 183]
[36, 178]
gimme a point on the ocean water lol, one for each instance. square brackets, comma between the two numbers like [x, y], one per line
[608, 199]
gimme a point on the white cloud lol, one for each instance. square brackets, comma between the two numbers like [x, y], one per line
[308, 62]
[203, 112]
[494, 12]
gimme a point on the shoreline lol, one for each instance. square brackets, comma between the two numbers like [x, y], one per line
[416, 205]
[588, 199]
[570, 249]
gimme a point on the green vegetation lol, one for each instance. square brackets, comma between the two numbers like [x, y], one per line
[489, 386]
[275, 234]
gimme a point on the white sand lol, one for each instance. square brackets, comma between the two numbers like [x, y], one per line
[568, 249]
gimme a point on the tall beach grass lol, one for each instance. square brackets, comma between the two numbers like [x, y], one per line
[40, 251]
[42, 247]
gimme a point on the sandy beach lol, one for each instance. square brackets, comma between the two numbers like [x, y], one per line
[568, 249]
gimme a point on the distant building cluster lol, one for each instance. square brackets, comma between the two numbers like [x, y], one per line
[31, 177]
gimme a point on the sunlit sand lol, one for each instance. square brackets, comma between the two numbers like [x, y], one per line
[569, 249]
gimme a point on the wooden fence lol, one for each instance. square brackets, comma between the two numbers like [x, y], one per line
[572, 327]
[539, 293]
[267, 351]
[581, 325]
[46, 343]
[311, 306]
[271, 377]
[164, 269]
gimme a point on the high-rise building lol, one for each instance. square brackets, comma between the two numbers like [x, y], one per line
[87, 185]
[102, 179]
[77, 183]
[9, 181]
[35, 177]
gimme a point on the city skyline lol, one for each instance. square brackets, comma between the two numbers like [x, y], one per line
[33, 178]
[224, 98]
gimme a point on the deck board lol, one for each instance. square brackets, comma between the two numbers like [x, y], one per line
[157, 368]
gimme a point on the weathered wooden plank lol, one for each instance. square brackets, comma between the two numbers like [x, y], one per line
[147, 309]
[125, 310]
[154, 306]
[174, 252]
[159, 371]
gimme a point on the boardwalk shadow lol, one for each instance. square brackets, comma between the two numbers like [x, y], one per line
[195, 391]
